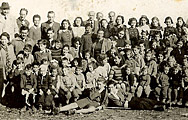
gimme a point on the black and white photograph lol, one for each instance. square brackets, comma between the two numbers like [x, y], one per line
[93, 59]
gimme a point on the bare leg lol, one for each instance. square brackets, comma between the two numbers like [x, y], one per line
[68, 107]
[88, 110]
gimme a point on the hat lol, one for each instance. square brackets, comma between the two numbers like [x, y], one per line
[5, 5]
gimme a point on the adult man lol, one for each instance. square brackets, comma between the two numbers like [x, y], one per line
[7, 22]
[111, 23]
[50, 24]
[22, 40]
[21, 21]
[94, 23]
[99, 17]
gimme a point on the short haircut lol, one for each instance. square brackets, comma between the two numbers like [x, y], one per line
[36, 16]
[24, 28]
[42, 41]
[6, 35]
[24, 9]
[49, 12]
[28, 67]
[88, 25]
[111, 82]
[112, 12]
[66, 45]
[50, 29]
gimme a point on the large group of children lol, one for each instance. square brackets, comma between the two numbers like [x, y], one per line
[62, 66]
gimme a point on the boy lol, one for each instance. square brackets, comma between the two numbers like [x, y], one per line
[66, 53]
[96, 100]
[163, 84]
[144, 83]
[44, 53]
[67, 86]
[35, 30]
[28, 85]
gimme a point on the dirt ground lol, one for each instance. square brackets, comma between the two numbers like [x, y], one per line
[107, 114]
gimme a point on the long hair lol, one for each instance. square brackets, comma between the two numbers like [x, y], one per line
[66, 20]
[82, 22]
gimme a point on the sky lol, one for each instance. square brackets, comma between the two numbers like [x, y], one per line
[70, 9]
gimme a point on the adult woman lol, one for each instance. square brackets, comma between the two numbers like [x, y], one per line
[65, 33]
[7, 53]
[78, 27]
[101, 45]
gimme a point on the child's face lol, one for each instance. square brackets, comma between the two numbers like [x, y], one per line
[148, 56]
[100, 34]
[20, 65]
[78, 71]
[57, 45]
[180, 44]
[64, 63]
[143, 21]
[127, 46]
[77, 44]
[65, 25]
[154, 45]
[28, 72]
[65, 71]
[111, 88]
[180, 22]
[117, 60]
[142, 47]
[136, 51]
[157, 37]
[133, 24]
[43, 71]
[145, 72]
[166, 70]
[88, 30]
[42, 47]
[65, 50]
[185, 62]
[87, 55]
[54, 72]
[128, 54]
[24, 33]
[4, 40]
[168, 23]
[143, 35]
[90, 67]
[119, 20]
[45, 62]
[121, 34]
[100, 84]
[128, 71]
[75, 62]
[155, 22]
[176, 71]
[35, 68]
[50, 34]
[78, 21]
[36, 21]
[171, 62]
[105, 61]
[160, 57]
[114, 43]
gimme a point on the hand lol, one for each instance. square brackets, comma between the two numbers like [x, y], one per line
[56, 96]
[40, 92]
[31, 90]
[12, 88]
[178, 88]
[48, 92]
[159, 85]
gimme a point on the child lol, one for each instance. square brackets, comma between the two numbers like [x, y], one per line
[28, 57]
[130, 82]
[35, 31]
[142, 49]
[65, 33]
[138, 58]
[185, 86]
[176, 79]
[129, 61]
[143, 24]
[43, 53]
[144, 38]
[133, 31]
[75, 49]
[67, 87]
[155, 28]
[163, 84]
[151, 68]
[43, 83]
[90, 76]
[66, 53]
[169, 29]
[179, 26]
[28, 84]
[56, 50]
[144, 83]
[80, 80]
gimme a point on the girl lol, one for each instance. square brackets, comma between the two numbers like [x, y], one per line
[133, 31]
[169, 29]
[179, 26]
[90, 76]
[143, 24]
[78, 27]
[65, 33]
[75, 49]
[120, 24]
[155, 28]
